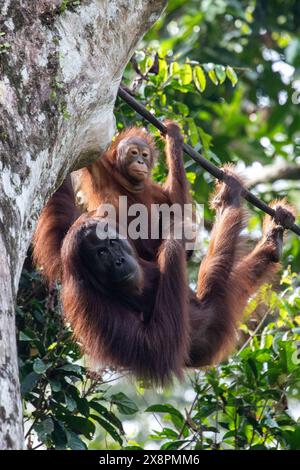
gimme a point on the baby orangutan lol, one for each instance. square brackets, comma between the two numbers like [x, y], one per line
[125, 170]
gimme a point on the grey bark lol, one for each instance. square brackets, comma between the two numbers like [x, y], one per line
[59, 75]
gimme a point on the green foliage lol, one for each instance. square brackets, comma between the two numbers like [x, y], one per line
[65, 405]
[251, 402]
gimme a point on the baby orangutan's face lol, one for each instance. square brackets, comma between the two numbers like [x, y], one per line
[134, 159]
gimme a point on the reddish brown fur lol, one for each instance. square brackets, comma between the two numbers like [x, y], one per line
[132, 132]
[112, 334]
[227, 277]
[184, 328]
[54, 222]
[101, 182]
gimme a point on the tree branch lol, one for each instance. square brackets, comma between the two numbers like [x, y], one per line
[277, 171]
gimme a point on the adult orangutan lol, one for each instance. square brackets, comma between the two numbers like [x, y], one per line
[137, 314]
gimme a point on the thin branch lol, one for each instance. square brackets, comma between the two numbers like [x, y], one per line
[277, 171]
[253, 334]
[196, 156]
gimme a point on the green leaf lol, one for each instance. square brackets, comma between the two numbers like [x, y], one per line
[79, 425]
[162, 100]
[221, 73]
[174, 69]
[146, 64]
[183, 88]
[70, 403]
[108, 415]
[183, 109]
[193, 132]
[109, 428]
[74, 442]
[44, 428]
[82, 405]
[165, 409]
[263, 355]
[212, 75]
[26, 336]
[293, 439]
[174, 445]
[132, 448]
[186, 74]
[124, 404]
[55, 385]
[231, 75]
[259, 447]
[162, 70]
[59, 435]
[199, 78]
[169, 433]
[205, 139]
[29, 382]
[39, 366]
[191, 177]
[71, 368]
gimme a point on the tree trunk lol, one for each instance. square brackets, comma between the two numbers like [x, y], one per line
[61, 62]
